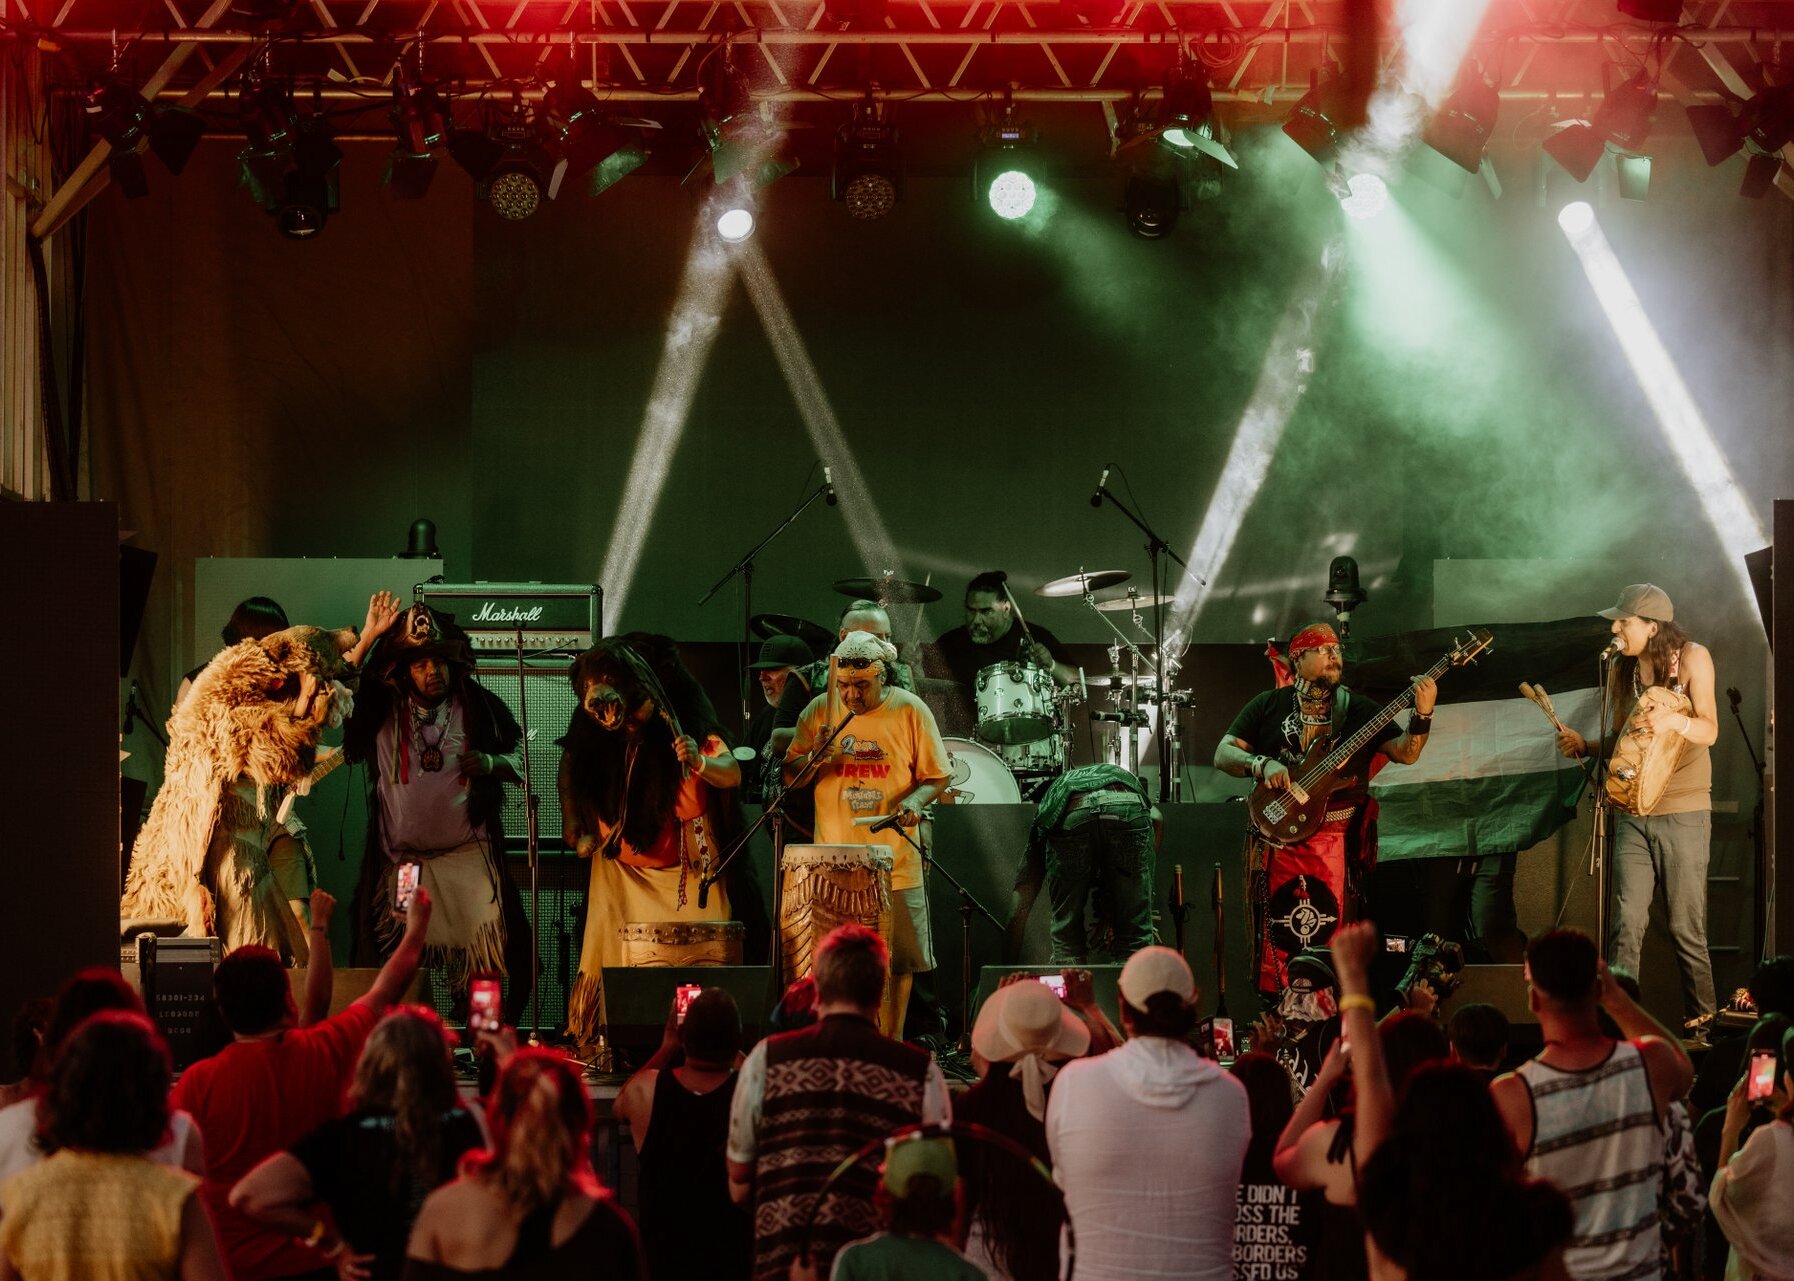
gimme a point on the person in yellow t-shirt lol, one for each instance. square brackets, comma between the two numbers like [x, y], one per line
[889, 759]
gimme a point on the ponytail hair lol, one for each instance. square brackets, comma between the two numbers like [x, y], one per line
[541, 1124]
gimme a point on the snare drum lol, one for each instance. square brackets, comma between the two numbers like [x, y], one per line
[1042, 756]
[829, 885]
[979, 776]
[1015, 703]
[682, 942]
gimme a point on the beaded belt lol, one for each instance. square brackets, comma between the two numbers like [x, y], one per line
[1340, 816]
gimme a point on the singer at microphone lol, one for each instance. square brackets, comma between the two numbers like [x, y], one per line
[887, 761]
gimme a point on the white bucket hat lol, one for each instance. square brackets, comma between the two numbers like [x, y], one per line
[1025, 1024]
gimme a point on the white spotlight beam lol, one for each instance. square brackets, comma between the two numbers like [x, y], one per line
[1281, 382]
[864, 525]
[691, 332]
[1727, 507]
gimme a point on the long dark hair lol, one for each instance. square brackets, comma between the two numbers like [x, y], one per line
[597, 760]
[108, 1088]
[405, 1070]
[1661, 649]
[1017, 1212]
[1443, 1195]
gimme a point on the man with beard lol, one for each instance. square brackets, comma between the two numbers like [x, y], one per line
[1298, 893]
[989, 635]
[440, 747]
[648, 794]
[781, 664]
[889, 760]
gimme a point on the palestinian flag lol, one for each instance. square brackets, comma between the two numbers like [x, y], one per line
[1491, 780]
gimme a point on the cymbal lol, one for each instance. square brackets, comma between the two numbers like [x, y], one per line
[889, 591]
[766, 626]
[1091, 580]
[1124, 604]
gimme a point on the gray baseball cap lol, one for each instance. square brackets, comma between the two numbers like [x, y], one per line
[1642, 600]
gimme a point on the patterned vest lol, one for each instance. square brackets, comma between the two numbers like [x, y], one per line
[830, 1089]
[1595, 1135]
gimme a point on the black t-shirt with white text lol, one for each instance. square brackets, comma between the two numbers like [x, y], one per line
[1272, 726]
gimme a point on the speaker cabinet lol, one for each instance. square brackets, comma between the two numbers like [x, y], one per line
[551, 703]
[637, 998]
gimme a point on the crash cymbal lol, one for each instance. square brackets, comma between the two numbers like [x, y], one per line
[766, 626]
[1085, 580]
[1123, 604]
[891, 591]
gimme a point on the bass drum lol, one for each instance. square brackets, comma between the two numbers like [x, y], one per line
[979, 776]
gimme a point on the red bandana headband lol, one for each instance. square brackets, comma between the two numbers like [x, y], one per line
[1312, 636]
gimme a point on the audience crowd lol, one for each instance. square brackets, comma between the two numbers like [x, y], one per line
[342, 1148]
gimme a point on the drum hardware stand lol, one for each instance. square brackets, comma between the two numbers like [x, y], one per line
[745, 568]
[1220, 941]
[531, 843]
[1156, 548]
[1600, 840]
[1179, 909]
[775, 811]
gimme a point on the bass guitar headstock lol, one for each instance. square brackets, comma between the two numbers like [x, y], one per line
[1465, 652]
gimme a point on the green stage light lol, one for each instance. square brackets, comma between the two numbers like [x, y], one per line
[1011, 194]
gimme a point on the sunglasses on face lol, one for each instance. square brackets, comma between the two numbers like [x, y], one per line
[855, 664]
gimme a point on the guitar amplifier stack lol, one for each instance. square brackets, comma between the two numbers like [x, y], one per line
[555, 621]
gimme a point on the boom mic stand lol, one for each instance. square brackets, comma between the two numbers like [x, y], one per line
[532, 845]
[968, 903]
[745, 567]
[1600, 840]
[1155, 548]
[1763, 903]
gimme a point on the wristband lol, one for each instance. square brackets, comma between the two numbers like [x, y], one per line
[1418, 724]
[317, 1234]
[1357, 1001]
[1257, 766]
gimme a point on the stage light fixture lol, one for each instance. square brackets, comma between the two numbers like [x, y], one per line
[1652, 10]
[267, 115]
[1634, 176]
[131, 125]
[735, 223]
[1576, 217]
[868, 173]
[1151, 201]
[1761, 125]
[310, 191]
[1460, 131]
[420, 122]
[583, 139]
[507, 162]
[1623, 119]
[1366, 195]
[1311, 121]
[1187, 122]
[1004, 175]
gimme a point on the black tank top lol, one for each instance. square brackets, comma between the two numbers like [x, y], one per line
[690, 1227]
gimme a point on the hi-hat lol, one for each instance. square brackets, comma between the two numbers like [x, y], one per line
[1082, 582]
[1118, 604]
[889, 591]
[816, 636]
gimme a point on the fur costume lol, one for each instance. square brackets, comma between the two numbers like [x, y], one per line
[620, 775]
[254, 715]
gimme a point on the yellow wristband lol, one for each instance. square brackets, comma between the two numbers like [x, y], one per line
[317, 1234]
[1357, 1001]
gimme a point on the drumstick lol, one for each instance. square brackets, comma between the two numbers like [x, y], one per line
[1542, 701]
[1018, 612]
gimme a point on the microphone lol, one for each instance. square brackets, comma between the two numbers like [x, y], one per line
[885, 824]
[1613, 647]
[1733, 697]
[703, 892]
[828, 486]
[1096, 499]
[1177, 885]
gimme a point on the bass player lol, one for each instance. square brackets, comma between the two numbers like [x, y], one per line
[1661, 691]
[1299, 892]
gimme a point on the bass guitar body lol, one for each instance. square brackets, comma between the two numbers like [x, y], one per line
[1289, 817]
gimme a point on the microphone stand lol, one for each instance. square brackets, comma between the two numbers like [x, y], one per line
[1155, 548]
[774, 810]
[1762, 902]
[745, 568]
[1220, 945]
[968, 903]
[1598, 847]
[532, 845]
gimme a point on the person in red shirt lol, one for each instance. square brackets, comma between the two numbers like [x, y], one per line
[274, 1084]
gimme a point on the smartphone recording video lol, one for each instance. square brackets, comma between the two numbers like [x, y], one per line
[1055, 983]
[1762, 1076]
[404, 886]
[1396, 943]
[683, 997]
[484, 1006]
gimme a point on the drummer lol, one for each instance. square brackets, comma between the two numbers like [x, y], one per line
[889, 759]
[991, 634]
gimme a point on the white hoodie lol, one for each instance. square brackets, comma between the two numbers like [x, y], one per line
[1147, 1143]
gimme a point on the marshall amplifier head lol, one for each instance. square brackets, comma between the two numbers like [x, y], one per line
[552, 616]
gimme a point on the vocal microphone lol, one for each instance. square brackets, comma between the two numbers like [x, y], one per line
[1177, 885]
[1096, 499]
[828, 486]
[885, 824]
[1613, 647]
[1733, 697]
[703, 892]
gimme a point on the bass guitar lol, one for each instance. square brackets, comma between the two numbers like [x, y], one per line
[1288, 817]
